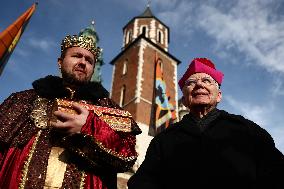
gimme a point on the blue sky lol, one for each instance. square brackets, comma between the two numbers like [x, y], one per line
[245, 39]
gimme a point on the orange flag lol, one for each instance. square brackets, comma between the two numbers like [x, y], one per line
[11, 35]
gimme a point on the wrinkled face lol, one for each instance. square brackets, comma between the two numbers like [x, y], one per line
[77, 66]
[201, 90]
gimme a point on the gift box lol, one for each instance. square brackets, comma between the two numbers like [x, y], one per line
[119, 120]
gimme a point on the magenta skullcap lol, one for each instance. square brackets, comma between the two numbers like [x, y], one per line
[201, 65]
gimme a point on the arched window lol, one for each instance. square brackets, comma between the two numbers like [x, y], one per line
[160, 62]
[124, 69]
[129, 36]
[160, 37]
[122, 96]
[144, 30]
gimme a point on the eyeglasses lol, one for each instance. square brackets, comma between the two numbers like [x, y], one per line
[206, 81]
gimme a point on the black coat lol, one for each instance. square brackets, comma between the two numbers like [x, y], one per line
[221, 150]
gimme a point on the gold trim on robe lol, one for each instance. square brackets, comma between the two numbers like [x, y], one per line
[118, 120]
[55, 169]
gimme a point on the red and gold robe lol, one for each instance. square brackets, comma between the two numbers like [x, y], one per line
[32, 155]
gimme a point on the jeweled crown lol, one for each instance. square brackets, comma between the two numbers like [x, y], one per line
[81, 41]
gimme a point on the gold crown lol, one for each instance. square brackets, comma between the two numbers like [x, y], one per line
[81, 41]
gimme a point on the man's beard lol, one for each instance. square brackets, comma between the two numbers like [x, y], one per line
[71, 79]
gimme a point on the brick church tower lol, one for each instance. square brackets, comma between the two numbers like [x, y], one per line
[145, 38]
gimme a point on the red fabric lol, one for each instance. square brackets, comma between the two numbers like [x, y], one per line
[116, 141]
[206, 61]
[94, 182]
[11, 170]
[201, 65]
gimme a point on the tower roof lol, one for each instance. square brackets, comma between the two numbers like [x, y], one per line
[147, 13]
[90, 31]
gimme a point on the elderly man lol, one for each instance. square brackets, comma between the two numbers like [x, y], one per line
[209, 148]
[66, 132]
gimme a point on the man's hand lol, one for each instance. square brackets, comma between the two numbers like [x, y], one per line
[70, 123]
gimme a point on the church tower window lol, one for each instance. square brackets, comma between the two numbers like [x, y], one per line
[160, 37]
[144, 30]
[129, 36]
[124, 69]
[122, 96]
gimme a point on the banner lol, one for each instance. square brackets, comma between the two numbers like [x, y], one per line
[163, 112]
[11, 35]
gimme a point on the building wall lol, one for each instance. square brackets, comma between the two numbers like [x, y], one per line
[139, 80]
[129, 79]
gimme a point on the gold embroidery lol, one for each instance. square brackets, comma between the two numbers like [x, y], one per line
[27, 162]
[39, 113]
[71, 91]
[114, 153]
[123, 161]
[118, 120]
[103, 148]
[83, 178]
[117, 123]
[55, 169]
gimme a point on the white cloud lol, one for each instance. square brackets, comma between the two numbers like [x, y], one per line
[254, 28]
[42, 44]
[278, 133]
[263, 116]
[29, 45]
[179, 16]
[256, 113]
[22, 52]
[278, 86]
[251, 27]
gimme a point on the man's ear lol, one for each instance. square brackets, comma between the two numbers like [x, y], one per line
[219, 97]
[183, 101]
[59, 62]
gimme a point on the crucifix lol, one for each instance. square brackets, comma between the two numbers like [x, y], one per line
[149, 2]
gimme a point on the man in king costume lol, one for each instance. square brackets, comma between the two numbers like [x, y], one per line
[66, 132]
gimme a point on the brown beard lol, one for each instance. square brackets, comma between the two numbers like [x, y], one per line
[71, 79]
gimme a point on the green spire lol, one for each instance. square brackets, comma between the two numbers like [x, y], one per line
[91, 32]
